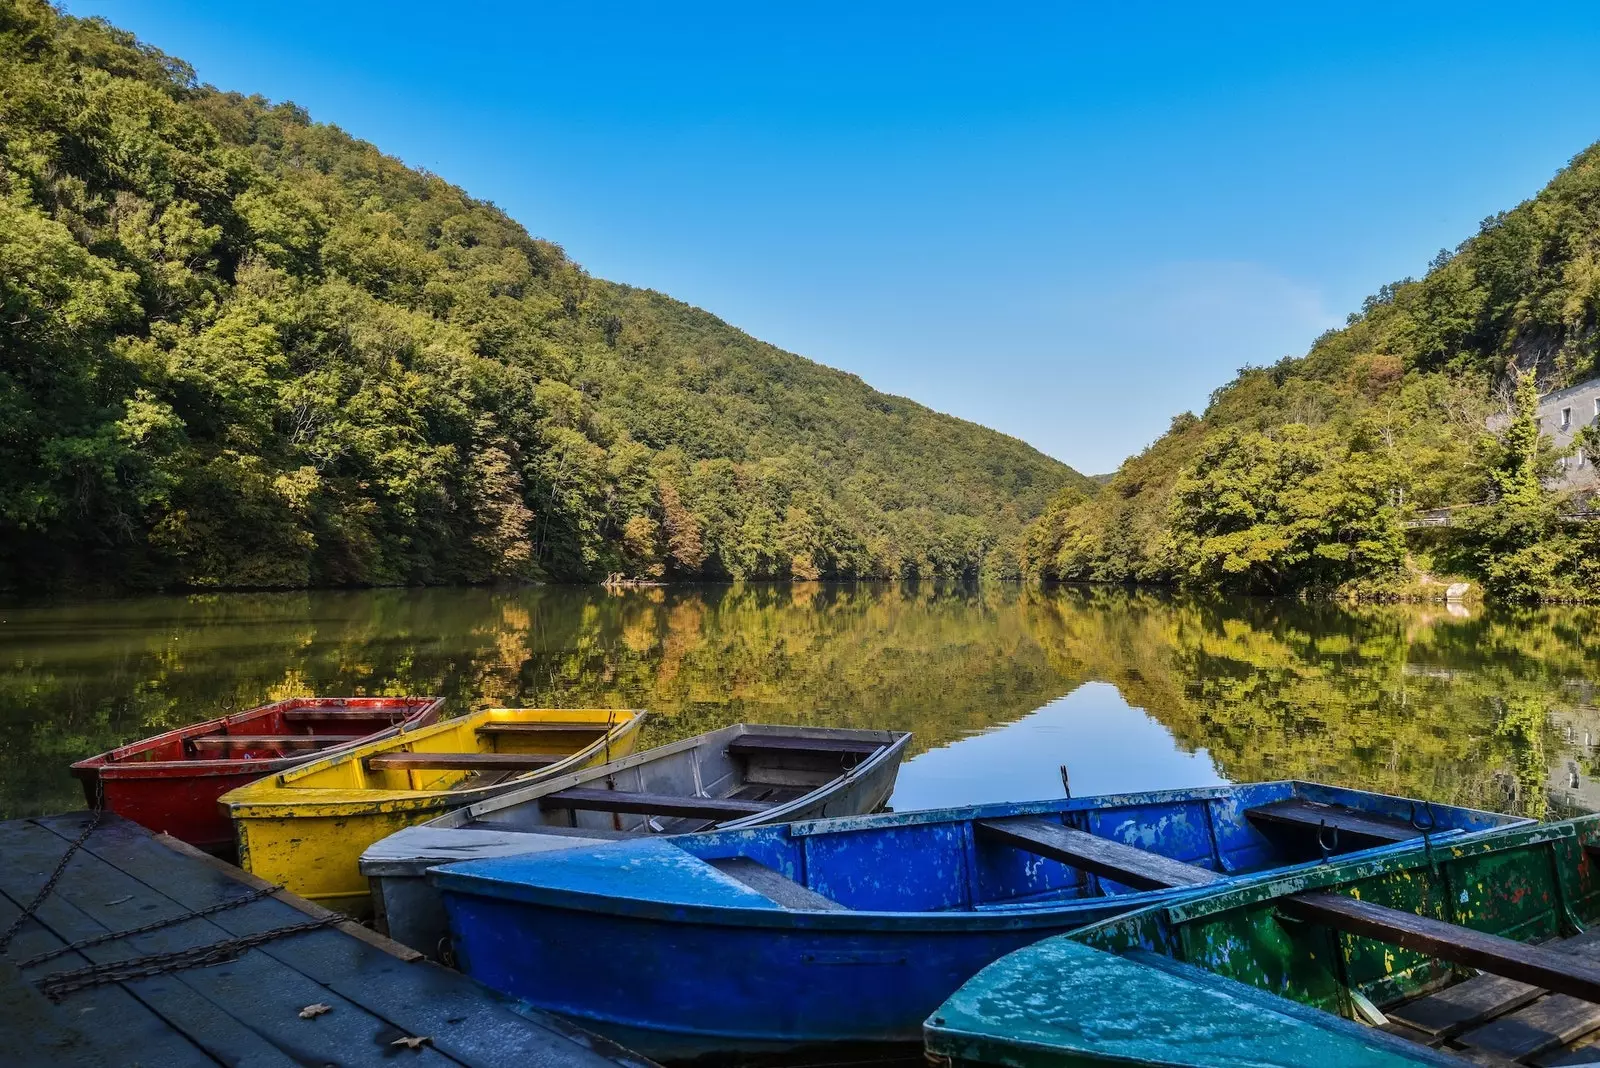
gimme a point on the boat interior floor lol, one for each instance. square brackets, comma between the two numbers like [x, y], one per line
[1497, 1020]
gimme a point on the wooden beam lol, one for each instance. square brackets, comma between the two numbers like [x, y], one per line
[281, 741]
[1126, 864]
[1560, 972]
[460, 761]
[1312, 816]
[708, 808]
[541, 728]
[748, 744]
[389, 713]
[775, 885]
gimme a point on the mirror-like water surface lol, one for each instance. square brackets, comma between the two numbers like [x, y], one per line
[1001, 685]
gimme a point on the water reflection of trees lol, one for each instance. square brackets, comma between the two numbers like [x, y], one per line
[1405, 699]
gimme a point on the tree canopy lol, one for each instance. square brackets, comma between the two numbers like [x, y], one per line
[241, 348]
[1302, 475]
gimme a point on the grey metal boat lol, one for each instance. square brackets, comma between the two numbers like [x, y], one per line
[745, 775]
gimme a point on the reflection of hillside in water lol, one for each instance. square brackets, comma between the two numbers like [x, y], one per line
[1404, 699]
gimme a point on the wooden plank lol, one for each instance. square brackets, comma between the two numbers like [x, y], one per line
[1483, 1058]
[1585, 1051]
[294, 901]
[710, 808]
[775, 885]
[1312, 816]
[388, 715]
[1465, 1004]
[38, 1033]
[461, 761]
[117, 1028]
[280, 741]
[264, 988]
[153, 1021]
[467, 1022]
[542, 728]
[752, 744]
[1125, 864]
[1545, 1025]
[1483, 997]
[1560, 972]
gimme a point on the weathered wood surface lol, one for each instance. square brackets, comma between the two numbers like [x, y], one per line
[1311, 816]
[1112, 860]
[244, 1011]
[280, 741]
[747, 744]
[547, 727]
[711, 808]
[461, 761]
[312, 715]
[779, 887]
[1559, 972]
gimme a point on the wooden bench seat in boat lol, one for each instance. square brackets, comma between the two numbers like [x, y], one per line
[766, 744]
[775, 885]
[1310, 815]
[1517, 975]
[1126, 864]
[709, 808]
[311, 715]
[540, 728]
[461, 761]
[282, 741]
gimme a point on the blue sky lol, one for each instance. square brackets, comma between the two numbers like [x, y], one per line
[1068, 222]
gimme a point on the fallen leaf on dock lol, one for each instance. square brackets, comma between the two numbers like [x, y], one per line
[411, 1043]
[314, 1010]
[120, 900]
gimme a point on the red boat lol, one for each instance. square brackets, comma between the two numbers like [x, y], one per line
[170, 782]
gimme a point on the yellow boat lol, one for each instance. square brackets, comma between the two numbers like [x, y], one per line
[306, 827]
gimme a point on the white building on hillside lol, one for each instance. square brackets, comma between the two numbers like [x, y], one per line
[1561, 415]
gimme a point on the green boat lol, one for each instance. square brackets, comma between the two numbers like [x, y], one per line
[1475, 952]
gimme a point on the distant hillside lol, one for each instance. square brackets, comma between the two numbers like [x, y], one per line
[245, 349]
[1302, 475]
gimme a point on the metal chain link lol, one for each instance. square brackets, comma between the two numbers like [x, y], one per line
[55, 876]
[112, 936]
[60, 984]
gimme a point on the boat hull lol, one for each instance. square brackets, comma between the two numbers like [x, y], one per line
[1201, 964]
[684, 959]
[144, 782]
[410, 910]
[310, 838]
[694, 990]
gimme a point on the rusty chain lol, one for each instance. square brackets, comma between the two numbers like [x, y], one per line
[60, 984]
[112, 936]
[55, 876]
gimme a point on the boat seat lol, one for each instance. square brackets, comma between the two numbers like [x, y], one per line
[541, 728]
[709, 808]
[460, 761]
[1126, 864]
[282, 741]
[304, 715]
[775, 885]
[767, 744]
[1312, 816]
[1551, 969]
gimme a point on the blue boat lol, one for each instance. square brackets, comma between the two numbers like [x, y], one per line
[855, 929]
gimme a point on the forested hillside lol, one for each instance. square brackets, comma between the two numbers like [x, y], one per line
[240, 348]
[1302, 475]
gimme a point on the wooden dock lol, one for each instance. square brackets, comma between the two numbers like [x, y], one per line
[230, 987]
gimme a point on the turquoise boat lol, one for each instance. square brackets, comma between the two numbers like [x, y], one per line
[852, 930]
[1473, 951]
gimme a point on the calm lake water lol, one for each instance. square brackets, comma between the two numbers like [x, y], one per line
[1001, 685]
